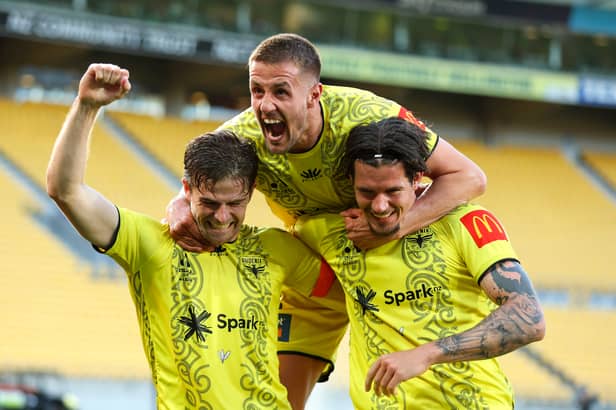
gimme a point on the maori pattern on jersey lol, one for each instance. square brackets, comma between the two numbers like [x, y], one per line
[346, 110]
[144, 317]
[188, 279]
[423, 253]
[351, 272]
[254, 278]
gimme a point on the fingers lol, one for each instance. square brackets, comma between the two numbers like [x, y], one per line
[384, 381]
[109, 74]
[103, 84]
[371, 375]
[351, 213]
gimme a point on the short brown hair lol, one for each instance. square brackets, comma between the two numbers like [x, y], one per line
[288, 47]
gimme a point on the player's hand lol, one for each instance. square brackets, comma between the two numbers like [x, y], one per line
[183, 228]
[359, 232]
[391, 369]
[102, 84]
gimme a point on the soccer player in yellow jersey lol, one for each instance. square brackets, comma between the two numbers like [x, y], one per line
[428, 312]
[300, 127]
[208, 320]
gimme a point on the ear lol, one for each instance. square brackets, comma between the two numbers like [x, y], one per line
[315, 94]
[417, 179]
[252, 190]
[186, 188]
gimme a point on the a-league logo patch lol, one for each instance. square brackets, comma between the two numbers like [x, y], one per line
[284, 327]
[483, 227]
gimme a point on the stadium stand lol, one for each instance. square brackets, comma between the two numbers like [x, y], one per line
[579, 341]
[560, 224]
[604, 163]
[60, 319]
[164, 137]
[531, 381]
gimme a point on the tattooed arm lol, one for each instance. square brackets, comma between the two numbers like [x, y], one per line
[516, 322]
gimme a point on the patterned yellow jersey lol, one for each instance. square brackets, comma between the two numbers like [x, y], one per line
[208, 321]
[313, 182]
[310, 183]
[415, 290]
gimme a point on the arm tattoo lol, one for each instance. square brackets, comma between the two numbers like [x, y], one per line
[517, 322]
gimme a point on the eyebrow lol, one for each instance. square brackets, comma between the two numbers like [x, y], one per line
[278, 84]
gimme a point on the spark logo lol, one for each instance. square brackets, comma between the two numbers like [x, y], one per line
[231, 323]
[193, 324]
[410, 295]
[364, 298]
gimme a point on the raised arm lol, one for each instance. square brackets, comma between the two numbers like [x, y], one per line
[91, 213]
[456, 180]
[517, 321]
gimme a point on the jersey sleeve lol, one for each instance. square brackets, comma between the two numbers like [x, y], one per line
[301, 264]
[314, 325]
[483, 239]
[138, 238]
[432, 137]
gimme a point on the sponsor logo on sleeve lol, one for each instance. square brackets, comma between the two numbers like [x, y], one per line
[483, 227]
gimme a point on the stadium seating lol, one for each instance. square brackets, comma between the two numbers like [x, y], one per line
[560, 224]
[164, 137]
[531, 381]
[29, 132]
[604, 163]
[55, 316]
[580, 342]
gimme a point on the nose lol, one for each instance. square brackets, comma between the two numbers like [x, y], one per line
[222, 215]
[267, 104]
[380, 204]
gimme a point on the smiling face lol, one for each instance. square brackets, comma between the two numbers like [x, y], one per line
[385, 194]
[219, 209]
[285, 101]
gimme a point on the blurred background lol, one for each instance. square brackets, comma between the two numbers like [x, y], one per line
[525, 88]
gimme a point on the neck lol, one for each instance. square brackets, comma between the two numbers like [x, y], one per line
[313, 131]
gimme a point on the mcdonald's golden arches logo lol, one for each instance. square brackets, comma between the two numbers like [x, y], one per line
[483, 227]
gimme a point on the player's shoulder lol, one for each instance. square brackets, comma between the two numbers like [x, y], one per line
[327, 222]
[129, 216]
[467, 215]
[245, 123]
[263, 233]
[341, 92]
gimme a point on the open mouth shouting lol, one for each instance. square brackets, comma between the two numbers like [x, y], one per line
[274, 131]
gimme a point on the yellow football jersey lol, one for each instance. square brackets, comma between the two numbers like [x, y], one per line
[208, 321]
[313, 182]
[418, 289]
[310, 183]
